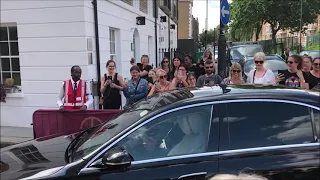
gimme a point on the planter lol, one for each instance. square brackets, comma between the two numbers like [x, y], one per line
[10, 90]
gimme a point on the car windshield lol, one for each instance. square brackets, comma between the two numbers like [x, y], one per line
[128, 117]
[312, 54]
[239, 52]
[273, 64]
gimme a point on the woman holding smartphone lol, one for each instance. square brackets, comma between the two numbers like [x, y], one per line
[162, 84]
[111, 85]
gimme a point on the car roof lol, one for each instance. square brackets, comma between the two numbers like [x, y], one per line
[268, 57]
[310, 50]
[244, 45]
[232, 92]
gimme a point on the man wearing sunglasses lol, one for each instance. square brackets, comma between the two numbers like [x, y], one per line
[210, 78]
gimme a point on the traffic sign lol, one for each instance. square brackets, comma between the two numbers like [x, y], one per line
[224, 12]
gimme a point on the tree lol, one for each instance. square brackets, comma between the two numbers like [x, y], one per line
[246, 18]
[280, 14]
[212, 36]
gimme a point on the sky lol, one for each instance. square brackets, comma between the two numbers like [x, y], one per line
[199, 11]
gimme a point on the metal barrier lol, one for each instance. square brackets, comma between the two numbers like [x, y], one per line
[54, 122]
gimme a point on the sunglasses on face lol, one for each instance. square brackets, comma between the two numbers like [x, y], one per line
[258, 62]
[165, 61]
[316, 64]
[209, 67]
[236, 71]
[163, 77]
[290, 62]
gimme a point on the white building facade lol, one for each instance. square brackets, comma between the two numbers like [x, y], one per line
[41, 40]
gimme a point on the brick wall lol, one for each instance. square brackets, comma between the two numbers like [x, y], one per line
[144, 6]
[128, 2]
[183, 25]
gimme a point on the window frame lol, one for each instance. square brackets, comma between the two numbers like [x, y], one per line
[209, 106]
[311, 121]
[9, 56]
[108, 145]
[113, 41]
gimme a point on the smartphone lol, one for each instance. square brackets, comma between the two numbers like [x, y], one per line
[207, 82]
[132, 61]
[109, 78]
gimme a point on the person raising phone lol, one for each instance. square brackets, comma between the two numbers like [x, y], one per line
[111, 85]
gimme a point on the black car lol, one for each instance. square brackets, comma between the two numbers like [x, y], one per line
[183, 134]
[239, 52]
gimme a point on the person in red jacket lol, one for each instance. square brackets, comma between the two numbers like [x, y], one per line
[75, 93]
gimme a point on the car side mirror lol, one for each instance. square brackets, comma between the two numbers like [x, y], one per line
[117, 156]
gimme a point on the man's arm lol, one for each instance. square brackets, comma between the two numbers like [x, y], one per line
[143, 94]
[126, 92]
[88, 96]
[219, 79]
[199, 82]
[60, 96]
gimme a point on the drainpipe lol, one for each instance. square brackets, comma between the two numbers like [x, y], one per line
[96, 30]
[177, 23]
[155, 29]
[169, 34]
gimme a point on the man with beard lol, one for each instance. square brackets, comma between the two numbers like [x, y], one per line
[74, 93]
[210, 78]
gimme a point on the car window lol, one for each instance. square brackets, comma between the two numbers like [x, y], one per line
[314, 54]
[316, 117]
[261, 124]
[177, 133]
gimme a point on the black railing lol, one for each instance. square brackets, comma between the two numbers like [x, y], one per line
[170, 54]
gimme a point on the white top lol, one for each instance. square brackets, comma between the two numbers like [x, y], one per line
[89, 97]
[268, 78]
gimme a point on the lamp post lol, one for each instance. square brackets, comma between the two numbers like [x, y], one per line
[222, 46]
[206, 28]
[214, 42]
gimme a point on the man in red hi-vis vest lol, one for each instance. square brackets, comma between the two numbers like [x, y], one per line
[75, 93]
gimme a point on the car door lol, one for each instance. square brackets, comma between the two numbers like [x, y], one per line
[270, 138]
[172, 145]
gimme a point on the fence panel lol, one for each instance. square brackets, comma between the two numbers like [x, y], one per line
[51, 122]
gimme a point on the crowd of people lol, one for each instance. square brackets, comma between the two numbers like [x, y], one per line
[302, 72]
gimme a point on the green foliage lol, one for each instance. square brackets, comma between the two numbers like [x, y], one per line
[212, 35]
[249, 16]
[313, 47]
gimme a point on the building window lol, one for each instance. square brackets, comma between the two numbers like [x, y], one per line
[112, 35]
[10, 64]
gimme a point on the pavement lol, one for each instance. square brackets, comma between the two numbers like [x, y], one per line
[13, 135]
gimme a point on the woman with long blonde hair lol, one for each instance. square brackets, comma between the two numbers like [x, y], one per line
[235, 75]
[162, 84]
